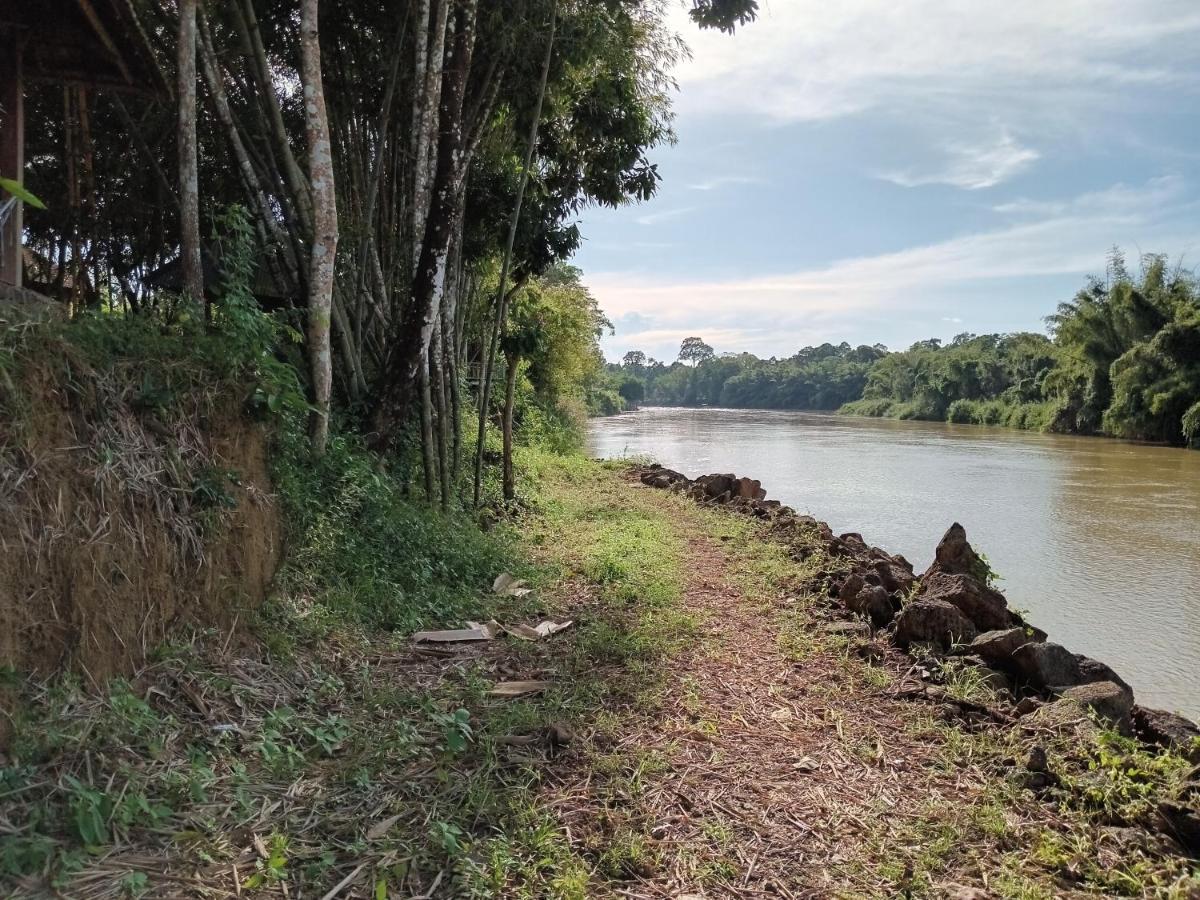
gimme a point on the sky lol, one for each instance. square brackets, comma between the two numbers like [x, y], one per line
[878, 171]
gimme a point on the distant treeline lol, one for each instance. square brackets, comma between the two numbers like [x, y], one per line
[1122, 359]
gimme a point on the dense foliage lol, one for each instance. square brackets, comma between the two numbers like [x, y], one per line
[1122, 359]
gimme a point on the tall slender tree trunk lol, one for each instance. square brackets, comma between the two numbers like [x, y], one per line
[510, 396]
[325, 224]
[485, 386]
[189, 178]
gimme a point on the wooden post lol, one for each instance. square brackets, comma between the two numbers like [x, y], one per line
[12, 152]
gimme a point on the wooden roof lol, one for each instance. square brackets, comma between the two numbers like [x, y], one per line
[93, 42]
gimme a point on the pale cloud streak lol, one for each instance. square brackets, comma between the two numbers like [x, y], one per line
[780, 313]
[720, 181]
[664, 216]
[973, 166]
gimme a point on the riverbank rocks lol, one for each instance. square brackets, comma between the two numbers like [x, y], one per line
[985, 607]
[659, 477]
[951, 606]
[1167, 730]
[955, 556]
[1182, 813]
[997, 647]
[1046, 665]
[1109, 700]
[933, 622]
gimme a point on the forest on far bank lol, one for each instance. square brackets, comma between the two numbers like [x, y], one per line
[1122, 359]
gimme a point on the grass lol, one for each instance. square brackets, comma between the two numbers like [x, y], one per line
[330, 749]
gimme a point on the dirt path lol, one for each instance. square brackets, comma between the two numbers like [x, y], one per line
[774, 771]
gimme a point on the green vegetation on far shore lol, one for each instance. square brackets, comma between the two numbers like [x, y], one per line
[1123, 360]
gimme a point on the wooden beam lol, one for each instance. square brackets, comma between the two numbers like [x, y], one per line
[12, 151]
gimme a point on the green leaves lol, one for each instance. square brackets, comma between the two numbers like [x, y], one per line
[18, 190]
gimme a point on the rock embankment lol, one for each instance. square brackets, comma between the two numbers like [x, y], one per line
[951, 609]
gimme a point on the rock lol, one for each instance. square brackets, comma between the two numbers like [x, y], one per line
[873, 601]
[894, 576]
[993, 678]
[1182, 813]
[1168, 730]
[954, 554]
[850, 587]
[855, 628]
[1028, 705]
[932, 622]
[749, 488]
[986, 608]
[1046, 665]
[657, 476]
[1109, 700]
[1091, 670]
[715, 485]
[997, 647]
[1037, 770]
[962, 892]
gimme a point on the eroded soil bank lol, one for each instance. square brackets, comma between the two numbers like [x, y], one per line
[716, 722]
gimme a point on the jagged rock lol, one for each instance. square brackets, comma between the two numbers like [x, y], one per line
[660, 477]
[1107, 699]
[852, 544]
[850, 587]
[933, 622]
[1182, 813]
[750, 488]
[873, 601]
[1167, 730]
[954, 555]
[1046, 665]
[997, 647]
[894, 576]
[985, 607]
[1091, 670]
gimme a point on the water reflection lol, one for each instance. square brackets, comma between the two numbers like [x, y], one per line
[1098, 539]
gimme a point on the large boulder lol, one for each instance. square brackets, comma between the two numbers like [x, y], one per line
[660, 477]
[894, 575]
[954, 554]
[933, 622]
[1046, 665]
[714, 486]
[749, 489]
[872, 600]
[1093, 670]
[850, 587]
[1167, 730]
[997, 647]
[1109, 700]
[985, 607]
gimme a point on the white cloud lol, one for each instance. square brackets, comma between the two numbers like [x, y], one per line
[719, 181]
[779, 313]
[664, 215]
[810, 61]
[973, 166]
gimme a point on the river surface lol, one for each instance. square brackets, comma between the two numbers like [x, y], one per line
[1098, 539]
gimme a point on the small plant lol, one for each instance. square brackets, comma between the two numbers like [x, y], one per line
[456, 729]
[273, 869]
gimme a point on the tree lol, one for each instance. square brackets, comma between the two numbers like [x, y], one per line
[695, 351]
[632, 391]
[189, 187]
[325, 224]
[634, 359]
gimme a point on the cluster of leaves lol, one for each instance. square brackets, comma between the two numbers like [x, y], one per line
[821, 377]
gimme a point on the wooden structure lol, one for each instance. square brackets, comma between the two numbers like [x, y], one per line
[96, 43]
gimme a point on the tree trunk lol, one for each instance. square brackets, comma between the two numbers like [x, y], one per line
[501, 297]
[189, 179]
[510, 395]
[325, 225]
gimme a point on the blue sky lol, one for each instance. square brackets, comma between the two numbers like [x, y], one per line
[878, 171]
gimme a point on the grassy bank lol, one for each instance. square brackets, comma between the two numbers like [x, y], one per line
[704, 730]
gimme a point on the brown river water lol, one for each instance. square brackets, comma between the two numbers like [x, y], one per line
[1099, 540]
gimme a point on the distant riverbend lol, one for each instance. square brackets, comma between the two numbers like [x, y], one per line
[1098, 539]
